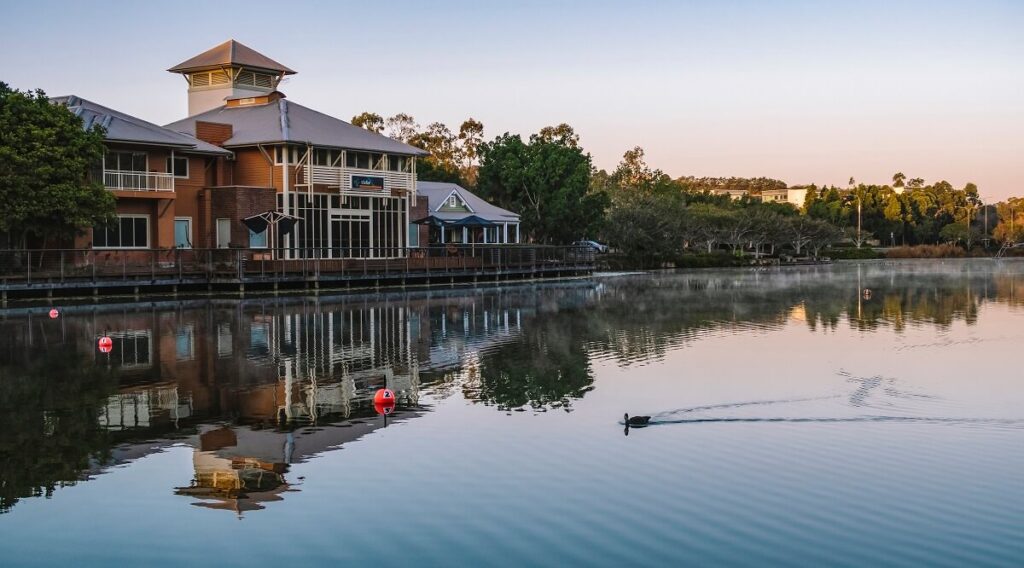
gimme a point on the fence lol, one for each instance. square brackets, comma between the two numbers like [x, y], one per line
[131, 266]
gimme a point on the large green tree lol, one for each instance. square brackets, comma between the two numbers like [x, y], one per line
[546, 181]
[47, 191]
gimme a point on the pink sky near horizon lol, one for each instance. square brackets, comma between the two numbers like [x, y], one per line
[806, 92]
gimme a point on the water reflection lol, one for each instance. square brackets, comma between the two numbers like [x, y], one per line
[256, 386]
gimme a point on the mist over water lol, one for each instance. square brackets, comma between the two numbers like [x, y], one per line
[795, 420]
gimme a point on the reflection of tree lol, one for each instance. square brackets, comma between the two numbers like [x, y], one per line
[49, 416]
[546, 365]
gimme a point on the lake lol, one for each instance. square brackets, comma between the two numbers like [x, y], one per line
[845, 415]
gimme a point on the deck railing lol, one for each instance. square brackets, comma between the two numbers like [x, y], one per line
[21, 267]
[138, 181]
[342, 177]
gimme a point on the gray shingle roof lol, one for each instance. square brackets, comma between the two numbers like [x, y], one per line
[284, 121]
[437, 192]
[227, 54]
[121, 127]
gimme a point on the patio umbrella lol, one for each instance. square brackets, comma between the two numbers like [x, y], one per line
[431, 220]
[473, 221]
[279, 223]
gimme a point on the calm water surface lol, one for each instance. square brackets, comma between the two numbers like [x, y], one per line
[850, 415]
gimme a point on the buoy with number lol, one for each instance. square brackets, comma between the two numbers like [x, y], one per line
[384, 396]
[105, 344]
[384, 401]
[54, 313]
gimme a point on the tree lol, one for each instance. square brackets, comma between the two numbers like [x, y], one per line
[46, 159]
[707, 225]
[648, 230]
[898, 178]
[471, 135]
[370, 121]
[402, 127]
[802, 231]
[546, 181]
[561, 134]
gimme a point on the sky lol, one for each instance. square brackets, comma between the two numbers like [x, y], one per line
[806, 92]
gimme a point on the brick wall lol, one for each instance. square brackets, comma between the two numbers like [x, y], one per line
[237, 203]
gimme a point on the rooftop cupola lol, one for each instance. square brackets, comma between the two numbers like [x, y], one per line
[228, 71]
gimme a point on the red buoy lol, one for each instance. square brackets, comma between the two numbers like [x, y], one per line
[54, 313]
[384, 396]
[384, 408]
[105, 344]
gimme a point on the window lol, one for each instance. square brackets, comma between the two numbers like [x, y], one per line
[178, 166]
[223, 233]
[453, 201]
[358, 160]
[279, 154]
[258, 240]
[129, 231]
[323, 157]
[397, 163]
[225, 342]
[125, 161]
[185, 343]
[253, 79]
[183, 232]
[414, 235]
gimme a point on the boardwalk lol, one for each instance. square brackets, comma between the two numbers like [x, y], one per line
[37, 273]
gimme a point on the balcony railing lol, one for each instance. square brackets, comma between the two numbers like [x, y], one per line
[138, 181]
[332, 176]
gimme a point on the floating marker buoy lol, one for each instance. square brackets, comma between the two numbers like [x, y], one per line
[105, 344]
[54, 313]
[384, 408]
[384, 396]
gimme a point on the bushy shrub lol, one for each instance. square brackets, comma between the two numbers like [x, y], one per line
[926, 251]
[852, 253]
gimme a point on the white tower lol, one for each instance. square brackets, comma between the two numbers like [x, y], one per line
[228, 71]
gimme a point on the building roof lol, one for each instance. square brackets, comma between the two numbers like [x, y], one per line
[229, 54]
[121, 127]
[437, 193]
[281, 121]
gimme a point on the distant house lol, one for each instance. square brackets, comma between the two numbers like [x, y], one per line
[792, 195]
[456, 215]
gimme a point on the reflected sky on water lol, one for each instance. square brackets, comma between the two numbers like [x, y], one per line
[836, 415]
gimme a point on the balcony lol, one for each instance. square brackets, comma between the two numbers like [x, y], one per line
[340, 177]
[124, 180]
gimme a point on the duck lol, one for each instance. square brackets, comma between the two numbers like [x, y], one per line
[636, 420]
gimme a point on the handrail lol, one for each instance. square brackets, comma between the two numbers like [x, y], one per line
[25, 266]
[126, 180]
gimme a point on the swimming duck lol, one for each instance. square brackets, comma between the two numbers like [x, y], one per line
[636, 420]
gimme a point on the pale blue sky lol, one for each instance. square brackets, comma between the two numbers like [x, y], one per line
[812, 91]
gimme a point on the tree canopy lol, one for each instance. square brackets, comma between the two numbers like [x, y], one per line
[47, 158]
[545, 180]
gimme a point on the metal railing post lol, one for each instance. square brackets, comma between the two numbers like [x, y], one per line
[28, 265]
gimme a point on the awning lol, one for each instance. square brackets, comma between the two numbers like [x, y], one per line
[259, 223]
[473, 221]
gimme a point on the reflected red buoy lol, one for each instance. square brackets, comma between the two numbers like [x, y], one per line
[384, 396]
[105, 344]
[54, 313]
[384, 408]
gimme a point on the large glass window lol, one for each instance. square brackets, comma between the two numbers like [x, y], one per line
[125, 161]
[129, 231]
[178, 166]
